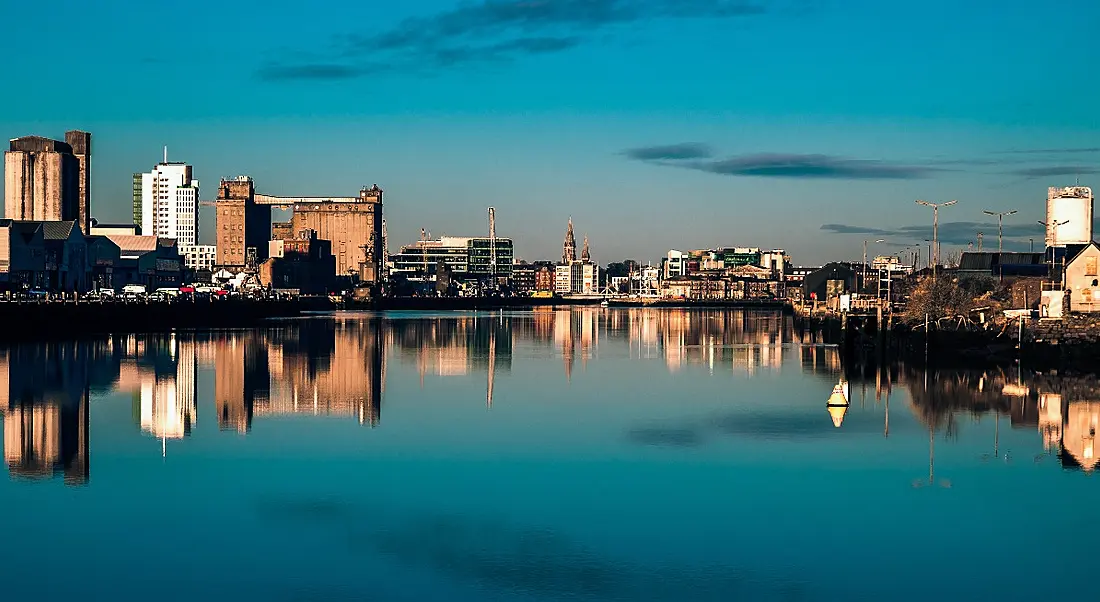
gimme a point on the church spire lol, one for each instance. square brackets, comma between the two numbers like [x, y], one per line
[569, 249]
[585, 255]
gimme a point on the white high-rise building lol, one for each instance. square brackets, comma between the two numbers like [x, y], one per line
[170, 203]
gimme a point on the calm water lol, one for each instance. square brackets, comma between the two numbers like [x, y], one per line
[582, 454]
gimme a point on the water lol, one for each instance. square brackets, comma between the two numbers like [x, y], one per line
[581, 454]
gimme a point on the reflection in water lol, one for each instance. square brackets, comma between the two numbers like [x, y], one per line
[337, 367]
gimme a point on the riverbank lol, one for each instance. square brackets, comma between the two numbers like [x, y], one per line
[776, 304]
[467, 303]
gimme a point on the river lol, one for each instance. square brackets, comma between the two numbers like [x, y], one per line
[554, 454]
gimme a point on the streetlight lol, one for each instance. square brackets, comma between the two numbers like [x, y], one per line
[936, 229]
[1000, 226]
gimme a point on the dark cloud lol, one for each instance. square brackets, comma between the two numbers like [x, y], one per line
[670, 152]
[808, 166]
[492, 31]
[850, 229]
[1054, 170]
[949, 232]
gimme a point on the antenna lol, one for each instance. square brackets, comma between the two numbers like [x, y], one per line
[165, 153]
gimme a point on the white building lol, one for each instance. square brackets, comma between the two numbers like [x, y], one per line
[170, 203]
[199, 257]
[675, 264]
[577, 278]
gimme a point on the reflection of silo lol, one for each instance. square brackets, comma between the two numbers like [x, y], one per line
[1079, 435]
[1071, 209]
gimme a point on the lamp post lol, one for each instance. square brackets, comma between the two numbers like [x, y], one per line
[980, 235]
[1000, 225]
[936, 229]
[929, 241]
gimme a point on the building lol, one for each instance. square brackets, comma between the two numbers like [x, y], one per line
[22, 254]
[66, 257]
[1001, 265]
[304, 263]
[528, 278]
[199, 257]
[104, 257]
[675, 264]
[353, 225]
[49, 180]
[576, 276]
[1083, 280]
[115, 229]
[831, 280]
[169, 203]
[243, 225]
[469, 258]
[148, 260]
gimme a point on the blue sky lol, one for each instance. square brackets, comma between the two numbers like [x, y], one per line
[808, 125]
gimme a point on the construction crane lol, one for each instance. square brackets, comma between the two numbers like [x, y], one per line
[493, 242]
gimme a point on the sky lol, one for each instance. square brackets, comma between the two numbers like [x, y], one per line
[805, 125]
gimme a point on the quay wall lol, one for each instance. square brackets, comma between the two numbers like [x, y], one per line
[53, 320]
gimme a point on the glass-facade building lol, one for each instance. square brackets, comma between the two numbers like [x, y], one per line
[468, 258]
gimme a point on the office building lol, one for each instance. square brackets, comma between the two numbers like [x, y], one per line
[169, 203]
[49, 180]
[469, 258]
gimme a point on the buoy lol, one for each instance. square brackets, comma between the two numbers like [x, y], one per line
[837, 404]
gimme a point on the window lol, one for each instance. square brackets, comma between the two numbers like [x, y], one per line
[1090, 266]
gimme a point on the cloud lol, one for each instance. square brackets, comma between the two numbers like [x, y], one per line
[949, 232]
[849, 229]
[670, 152]
[491, 31]
[774, 165]
[1054, 170]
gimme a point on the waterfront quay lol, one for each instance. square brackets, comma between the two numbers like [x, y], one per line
[42, 320]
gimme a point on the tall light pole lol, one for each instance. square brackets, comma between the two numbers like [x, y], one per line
[1000, 226]
[936, 229]
[980, 235]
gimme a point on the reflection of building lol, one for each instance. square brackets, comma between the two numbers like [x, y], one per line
[328, 368]
[44, 399]
[1079, 434]
[168, 400]
[240, 379]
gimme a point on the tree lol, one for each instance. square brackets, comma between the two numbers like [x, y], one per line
[939, 298]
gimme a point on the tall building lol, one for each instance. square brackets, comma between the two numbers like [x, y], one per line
[243, 225]
[138, 201]
[169, 203]
[49, 180]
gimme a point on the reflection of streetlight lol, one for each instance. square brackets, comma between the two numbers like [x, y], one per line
[1000, 226]
[936, 228]
[946, 484]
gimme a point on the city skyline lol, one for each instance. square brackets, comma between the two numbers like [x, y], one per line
[795, 124]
